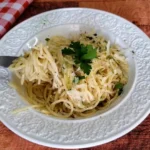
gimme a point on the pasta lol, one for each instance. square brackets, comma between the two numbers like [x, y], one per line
[53, 80]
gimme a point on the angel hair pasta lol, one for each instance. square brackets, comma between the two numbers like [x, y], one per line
[72, 78]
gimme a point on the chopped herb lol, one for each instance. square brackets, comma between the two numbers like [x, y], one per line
[77, 61]
[82, 54]
[67, 51]
[86, 68]
[83, 50]
[47, 39]
[133, 52]
[90, 54]
[75, 45]
[119, 86]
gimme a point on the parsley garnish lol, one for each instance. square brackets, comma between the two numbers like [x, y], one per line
[68, 51]
[91, 53]
[85, 67]
[82, 55]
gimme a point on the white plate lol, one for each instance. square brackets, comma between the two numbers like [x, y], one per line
[124, 115]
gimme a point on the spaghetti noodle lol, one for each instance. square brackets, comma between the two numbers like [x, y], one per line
[52, 81]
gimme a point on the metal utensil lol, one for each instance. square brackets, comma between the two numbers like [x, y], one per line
[5, 61]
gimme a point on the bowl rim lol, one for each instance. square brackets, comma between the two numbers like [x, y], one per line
[145, 114]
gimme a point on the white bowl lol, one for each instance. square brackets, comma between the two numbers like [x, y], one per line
[121, 117]
[75, 29]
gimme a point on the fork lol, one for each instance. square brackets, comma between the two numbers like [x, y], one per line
[6, 61]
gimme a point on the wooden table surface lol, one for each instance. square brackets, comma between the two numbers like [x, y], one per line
[136, 11]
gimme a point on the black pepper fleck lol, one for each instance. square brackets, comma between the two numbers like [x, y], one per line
[89, 37]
